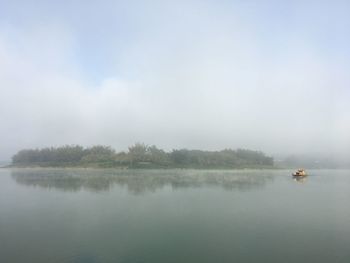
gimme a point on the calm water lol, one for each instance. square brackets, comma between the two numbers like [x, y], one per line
[50, 215]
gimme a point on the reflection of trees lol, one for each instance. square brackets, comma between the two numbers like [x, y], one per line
[139, 181]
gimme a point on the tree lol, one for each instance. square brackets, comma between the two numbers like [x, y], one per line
[137, 153]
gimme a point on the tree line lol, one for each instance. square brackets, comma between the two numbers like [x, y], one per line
[140, 155]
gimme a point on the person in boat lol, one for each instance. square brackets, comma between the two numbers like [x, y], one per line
[300, 172]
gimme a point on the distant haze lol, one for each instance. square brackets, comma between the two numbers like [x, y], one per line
[263, 75]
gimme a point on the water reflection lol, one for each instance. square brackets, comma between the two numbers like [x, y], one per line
[139, 181]
[300, 179]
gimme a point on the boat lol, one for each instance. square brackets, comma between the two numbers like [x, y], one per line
[299, 173]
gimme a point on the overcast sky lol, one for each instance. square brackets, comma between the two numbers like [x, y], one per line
[265, 75]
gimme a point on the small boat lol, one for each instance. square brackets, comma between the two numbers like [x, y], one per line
[299, 173]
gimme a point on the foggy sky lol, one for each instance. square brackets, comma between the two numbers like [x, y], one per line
[265, 75]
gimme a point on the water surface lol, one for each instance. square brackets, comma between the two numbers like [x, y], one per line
[78, 215]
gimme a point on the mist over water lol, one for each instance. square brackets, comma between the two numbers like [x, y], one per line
[91, 215]
[140, 181]
[174, 84]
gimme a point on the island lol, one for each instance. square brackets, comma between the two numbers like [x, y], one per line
[140, 155]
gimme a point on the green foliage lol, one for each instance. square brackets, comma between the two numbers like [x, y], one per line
[98, 154]
[140, 155]
[63, 156]
[220, 159]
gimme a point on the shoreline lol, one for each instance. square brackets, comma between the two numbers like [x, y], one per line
[10, 167]
[134, 168]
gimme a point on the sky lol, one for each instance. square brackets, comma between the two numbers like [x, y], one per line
[264, 75]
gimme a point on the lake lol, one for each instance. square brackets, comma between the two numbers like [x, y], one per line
[87, 215]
